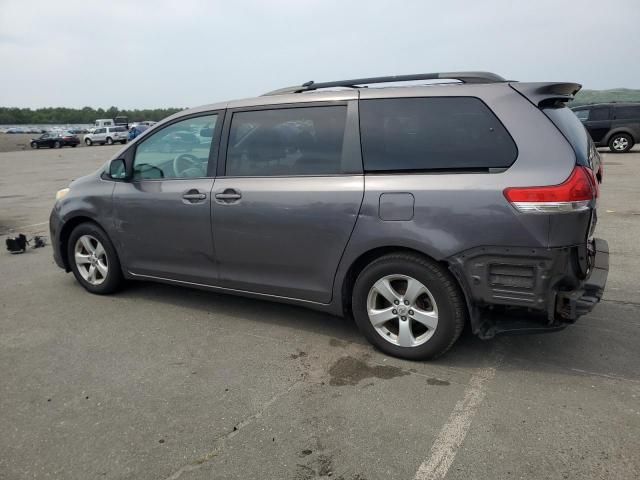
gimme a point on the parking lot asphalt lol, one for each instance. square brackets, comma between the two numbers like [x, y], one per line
[160, 382]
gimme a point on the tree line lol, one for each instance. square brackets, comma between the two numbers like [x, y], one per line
[54, 115]
[584, 97]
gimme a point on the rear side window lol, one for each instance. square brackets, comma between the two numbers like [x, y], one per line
[597, 114]
[287, 141]
[627, 113]
[439, 133]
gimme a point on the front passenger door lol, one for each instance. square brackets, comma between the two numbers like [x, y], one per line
[163, 215]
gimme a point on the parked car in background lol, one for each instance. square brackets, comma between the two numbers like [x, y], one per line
[148, 123]
[616, 125]
[137, 130]
[106, 135]
[416, 209]
[55, 140]
[104, 122]
[78, 130]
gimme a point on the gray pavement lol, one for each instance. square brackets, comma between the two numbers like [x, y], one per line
[161, 382]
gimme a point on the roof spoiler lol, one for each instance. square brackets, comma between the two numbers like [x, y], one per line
[540, 93]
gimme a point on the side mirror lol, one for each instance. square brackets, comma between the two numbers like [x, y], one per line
[118, 169]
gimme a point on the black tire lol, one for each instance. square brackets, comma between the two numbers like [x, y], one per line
[114, 279]
[123, 142]
[34, 145]
[109, 141]
[88, 142]
[57, 145]
[74, 145]
[619, 139]
[452, 311]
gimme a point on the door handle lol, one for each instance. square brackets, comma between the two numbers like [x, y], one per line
[194, 196]
[229, 195]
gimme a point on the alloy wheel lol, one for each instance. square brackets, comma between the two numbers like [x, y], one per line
[402, 310]
[91, 259]
[620, 144]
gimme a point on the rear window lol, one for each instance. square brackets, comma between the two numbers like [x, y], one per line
[438, 133]
[287, 141]
[573, 130]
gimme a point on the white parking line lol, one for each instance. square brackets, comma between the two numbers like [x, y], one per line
[453, 433]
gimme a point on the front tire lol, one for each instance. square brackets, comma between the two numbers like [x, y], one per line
[57, 145]
[408, 306]
[88, 142]
[620, 143]
[94, 260]
[34, 145]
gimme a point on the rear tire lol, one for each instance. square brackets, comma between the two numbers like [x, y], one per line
[74, 145]
[620, 143]
[109, 141]
[57, 145]
[94, 260]
[434, 319]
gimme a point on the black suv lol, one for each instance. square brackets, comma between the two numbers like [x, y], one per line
[616, 125]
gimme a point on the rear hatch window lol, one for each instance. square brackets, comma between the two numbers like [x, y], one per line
[573, 130]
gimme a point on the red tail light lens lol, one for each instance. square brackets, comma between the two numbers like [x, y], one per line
[574, 194]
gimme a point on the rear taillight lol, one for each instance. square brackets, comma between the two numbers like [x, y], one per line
[573, 195]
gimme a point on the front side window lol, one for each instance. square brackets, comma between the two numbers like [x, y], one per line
[582, 114]
[180, 150]
[287, 141]
[436, 133]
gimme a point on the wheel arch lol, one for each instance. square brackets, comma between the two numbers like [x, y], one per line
[65, 233]
[365, 258]
[615, 131]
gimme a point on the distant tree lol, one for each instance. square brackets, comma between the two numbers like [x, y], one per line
[18, 116]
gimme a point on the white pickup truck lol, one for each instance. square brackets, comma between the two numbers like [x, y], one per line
[108, 135]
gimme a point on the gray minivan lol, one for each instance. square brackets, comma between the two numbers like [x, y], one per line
[414, 209]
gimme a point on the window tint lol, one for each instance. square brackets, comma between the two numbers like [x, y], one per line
[180, 150]
[440, 133]
[582, 114]
[599, 114]
[627, 113]
[288, 141]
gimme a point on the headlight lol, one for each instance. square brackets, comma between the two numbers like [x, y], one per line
[60, 194]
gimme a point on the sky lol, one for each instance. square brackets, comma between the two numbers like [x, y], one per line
[184, 53]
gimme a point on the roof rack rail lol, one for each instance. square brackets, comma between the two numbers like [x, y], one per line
[464, 77]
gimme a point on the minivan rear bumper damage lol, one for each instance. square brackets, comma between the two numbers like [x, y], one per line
[530, 290]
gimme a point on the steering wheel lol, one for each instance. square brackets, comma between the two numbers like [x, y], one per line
[186, 165]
